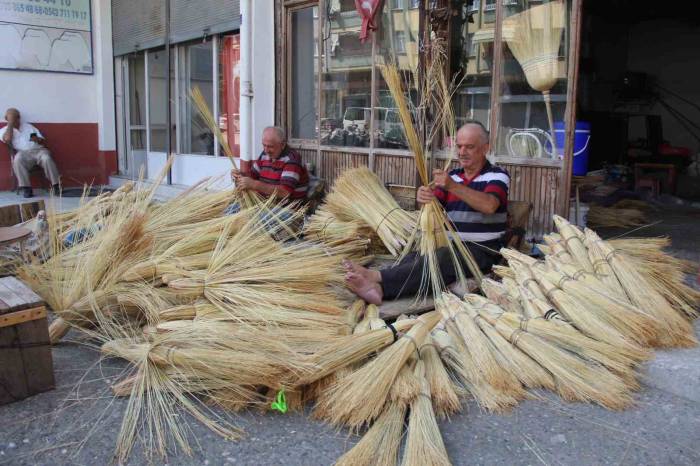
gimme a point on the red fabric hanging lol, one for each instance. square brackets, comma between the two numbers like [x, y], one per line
[368, 11]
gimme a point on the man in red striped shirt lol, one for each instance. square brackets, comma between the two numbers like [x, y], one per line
[278, 171]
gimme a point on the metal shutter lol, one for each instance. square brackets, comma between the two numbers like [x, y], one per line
[138, 25]
[195, 19]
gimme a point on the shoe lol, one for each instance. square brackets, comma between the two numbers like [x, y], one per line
[27, 192]
[56, 189]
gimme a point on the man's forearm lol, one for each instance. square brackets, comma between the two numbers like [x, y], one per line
[482, 202]
[268, 189]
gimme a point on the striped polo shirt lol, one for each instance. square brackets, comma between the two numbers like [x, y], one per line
[472, 225]
[287, 172]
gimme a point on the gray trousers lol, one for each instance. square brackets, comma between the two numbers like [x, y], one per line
[25, 160]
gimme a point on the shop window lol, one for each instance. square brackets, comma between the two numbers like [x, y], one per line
[397, 44]
[158, 99]
[229, 91]
[304, 74]
[536, 34]
[471, 56]
[196, 69]
[346, 81]
[137, 101]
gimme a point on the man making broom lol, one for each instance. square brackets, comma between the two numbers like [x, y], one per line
[475, 197]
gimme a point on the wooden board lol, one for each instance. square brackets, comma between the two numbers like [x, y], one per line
[36, 355]
[15, 296]
[26, 365]
[13, 384]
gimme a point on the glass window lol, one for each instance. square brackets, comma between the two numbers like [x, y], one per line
[346, 79]
[471, 58]
[196, 69]
[158, 99]
[533, 78]
[304, 77]
[137, 101]
[397, 44]
[229, 92]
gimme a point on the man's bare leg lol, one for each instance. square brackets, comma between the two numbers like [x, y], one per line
[366, 288]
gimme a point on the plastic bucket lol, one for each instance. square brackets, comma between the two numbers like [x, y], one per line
[582, 137]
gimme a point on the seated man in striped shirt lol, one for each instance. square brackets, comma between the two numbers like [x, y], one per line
[475, 197]
[278, 171]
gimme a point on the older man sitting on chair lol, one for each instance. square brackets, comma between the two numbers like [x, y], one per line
[31, 151]
[475, 197]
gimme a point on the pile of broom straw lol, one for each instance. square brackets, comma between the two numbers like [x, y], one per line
[211, 312]
[615, 217]
[206, 308]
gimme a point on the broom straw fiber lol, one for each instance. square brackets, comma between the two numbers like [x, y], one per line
[625, 318]
[576, 379]
[424, 444]
[677, 331]
[361, 396]
[457, 356]
[444, 397]
[527, 371]
[483, 351]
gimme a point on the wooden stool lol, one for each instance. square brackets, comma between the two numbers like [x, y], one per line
[26, 367]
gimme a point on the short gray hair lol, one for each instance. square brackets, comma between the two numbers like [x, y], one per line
[480, 125]
[279, 132]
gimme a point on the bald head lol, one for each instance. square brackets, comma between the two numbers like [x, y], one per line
[274, 140]
[472, 146]
[11, 114]
[475, 126]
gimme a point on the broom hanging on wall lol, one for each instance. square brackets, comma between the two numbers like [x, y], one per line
[535, 40]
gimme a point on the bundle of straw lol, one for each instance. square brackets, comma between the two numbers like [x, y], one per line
[361, 397]
[613, 217]
[359, 200]
[676, 331]
[424, 445]
[575, 378]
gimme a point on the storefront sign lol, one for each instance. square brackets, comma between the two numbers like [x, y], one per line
[46, 35]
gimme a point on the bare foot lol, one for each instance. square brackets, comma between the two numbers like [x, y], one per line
[357, 269]
[366, 289]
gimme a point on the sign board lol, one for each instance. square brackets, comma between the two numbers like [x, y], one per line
[46, 35]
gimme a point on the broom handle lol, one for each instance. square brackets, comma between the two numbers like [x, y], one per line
[548, 105]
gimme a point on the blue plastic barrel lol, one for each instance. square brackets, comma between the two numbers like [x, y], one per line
[581, 139]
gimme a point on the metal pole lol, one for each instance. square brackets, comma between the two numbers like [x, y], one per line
[168, 123]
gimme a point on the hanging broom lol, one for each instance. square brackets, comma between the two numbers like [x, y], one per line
[535, 41]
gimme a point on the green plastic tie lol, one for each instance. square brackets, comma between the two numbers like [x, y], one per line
[280, 403]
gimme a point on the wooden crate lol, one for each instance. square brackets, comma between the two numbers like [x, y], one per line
[26, 367]
[405, 195]
[11, 215]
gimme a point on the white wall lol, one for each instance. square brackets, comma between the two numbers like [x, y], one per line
[70, 98]
[263, 70]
